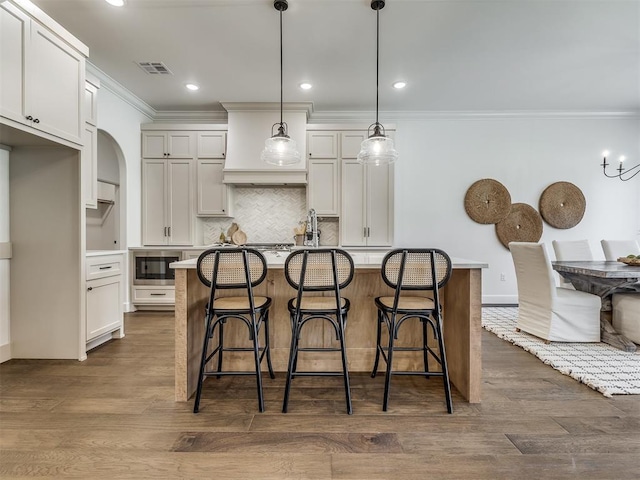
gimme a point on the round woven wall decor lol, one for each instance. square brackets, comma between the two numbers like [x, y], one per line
[562, 205]
[523, 224]
[487, 201]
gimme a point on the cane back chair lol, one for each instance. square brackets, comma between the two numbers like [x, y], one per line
[318, 270]
[419, 271]
[221, 269]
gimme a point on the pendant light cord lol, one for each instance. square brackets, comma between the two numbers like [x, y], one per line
[281, 117]
[377, 59]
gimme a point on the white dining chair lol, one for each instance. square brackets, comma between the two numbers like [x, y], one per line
[626, 306]
[571, 251]
[546, 311]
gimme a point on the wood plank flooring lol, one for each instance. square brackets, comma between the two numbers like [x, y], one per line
[113, 416]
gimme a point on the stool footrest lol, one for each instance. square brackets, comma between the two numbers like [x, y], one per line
[317, 374]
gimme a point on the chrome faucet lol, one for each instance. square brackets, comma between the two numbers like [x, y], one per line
[312, 237]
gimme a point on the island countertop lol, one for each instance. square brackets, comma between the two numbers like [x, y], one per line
[460, 298]
[361, 261]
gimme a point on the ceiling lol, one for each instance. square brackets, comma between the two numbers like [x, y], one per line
[455, 55]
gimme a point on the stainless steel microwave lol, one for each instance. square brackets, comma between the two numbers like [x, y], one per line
[151, 267]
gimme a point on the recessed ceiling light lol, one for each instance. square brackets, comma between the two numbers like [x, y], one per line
[305, 86]
[115, 3]
[192, 86]
[399, 85]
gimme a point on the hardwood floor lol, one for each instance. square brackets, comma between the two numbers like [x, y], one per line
[113, 416]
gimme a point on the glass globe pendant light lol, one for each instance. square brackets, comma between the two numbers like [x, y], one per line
[280, 149]
[377, 149]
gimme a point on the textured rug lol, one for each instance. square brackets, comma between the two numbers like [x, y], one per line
[605, 369]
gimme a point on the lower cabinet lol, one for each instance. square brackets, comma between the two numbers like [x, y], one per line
[104, 298]
[150, 296]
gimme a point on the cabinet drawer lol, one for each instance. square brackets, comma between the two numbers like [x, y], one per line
[154, 295]
[107, 266]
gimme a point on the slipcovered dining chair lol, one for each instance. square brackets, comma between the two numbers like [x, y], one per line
[316, 271]
[552, 313]
[415, 275]
[626, 306]
[571, 251]
[614, 249]
[219, 269]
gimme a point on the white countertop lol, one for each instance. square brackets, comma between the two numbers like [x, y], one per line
[99, 253]
[276, 261]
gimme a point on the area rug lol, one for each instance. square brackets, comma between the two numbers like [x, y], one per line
[605, 369]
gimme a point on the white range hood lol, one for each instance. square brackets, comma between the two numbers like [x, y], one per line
[249, 125]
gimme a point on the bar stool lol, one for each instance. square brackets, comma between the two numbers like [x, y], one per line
[424, 270]
[318, 270]
[219, 269]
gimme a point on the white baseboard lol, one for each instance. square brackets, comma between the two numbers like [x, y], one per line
[129, 307]
[5, 352]
[500, 299]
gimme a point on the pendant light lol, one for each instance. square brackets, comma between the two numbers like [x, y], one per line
[280, 149]
[378, 148]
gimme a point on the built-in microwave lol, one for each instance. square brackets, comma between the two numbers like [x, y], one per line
[151, 267]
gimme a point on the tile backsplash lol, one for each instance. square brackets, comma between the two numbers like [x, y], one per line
[267, 215]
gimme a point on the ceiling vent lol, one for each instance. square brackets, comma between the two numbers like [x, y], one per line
[155, 68]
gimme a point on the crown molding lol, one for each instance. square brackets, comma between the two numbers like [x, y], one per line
[360, 116]
[202, 116]
[121, 92]
[306, 107]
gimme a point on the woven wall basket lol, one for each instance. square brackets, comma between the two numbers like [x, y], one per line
[487, 201]
[523, 224]
[562, 205]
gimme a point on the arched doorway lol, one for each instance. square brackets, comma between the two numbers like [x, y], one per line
[106, 225]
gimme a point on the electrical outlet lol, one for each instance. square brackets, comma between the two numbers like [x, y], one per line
[503, 277]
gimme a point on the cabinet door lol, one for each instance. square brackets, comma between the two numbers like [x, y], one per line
[352, 219]
[379, 205]
[55, 95]
[322, 144]
[179, 201]
[104, 306]
[154, 144]
[211, 192]
[14, 39]
[211, 144]
[351, 142]
[180, 145]
[89, 156]
[323, 186]
[154, 183]
[90, 103]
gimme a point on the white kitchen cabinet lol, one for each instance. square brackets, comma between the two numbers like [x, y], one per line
[323, 188]
[160, 144]
[211, 144]
[213, 196]
[89, 161]
[91, 103]
[153, 296]
[323, 144]
[42, 77]
[367, 205]
[167, 193]
[104, 298]
[350, 143]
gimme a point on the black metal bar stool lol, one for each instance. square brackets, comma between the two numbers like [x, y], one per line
[218, 269]
[417, 270]
[318, 270]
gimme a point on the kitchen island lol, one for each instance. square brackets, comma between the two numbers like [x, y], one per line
[461, 300]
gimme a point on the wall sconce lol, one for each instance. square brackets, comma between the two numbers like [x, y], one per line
[623, 174]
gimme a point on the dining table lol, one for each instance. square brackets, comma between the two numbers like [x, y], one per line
[603, 278]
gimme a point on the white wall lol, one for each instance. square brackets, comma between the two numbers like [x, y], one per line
[441, 157]
[5, 331]
[122, 121]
